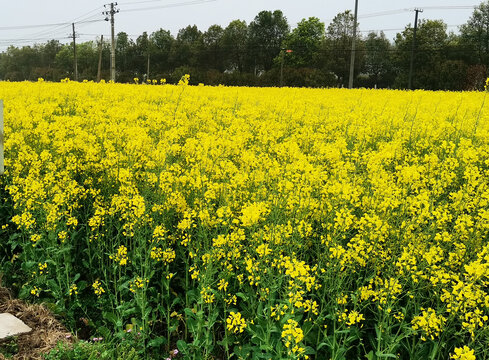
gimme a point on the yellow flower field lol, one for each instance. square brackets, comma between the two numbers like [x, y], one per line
[252, 223]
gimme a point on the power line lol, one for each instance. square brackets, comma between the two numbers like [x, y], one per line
[455, 7]
[140, 2]
[398, 29]
[50, 34]
[44, 25]
[194, 2]
[383, 13]
[56, 28]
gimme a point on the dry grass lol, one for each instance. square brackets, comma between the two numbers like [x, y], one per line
[46, 330]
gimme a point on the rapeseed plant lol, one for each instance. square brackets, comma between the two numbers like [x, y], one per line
[244, 222]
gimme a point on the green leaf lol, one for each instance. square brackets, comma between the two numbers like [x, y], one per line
[129, 311]
[323, 344]
[104, 332]
[381, 355]
[147, 311]
[82, 285]
[370, 355]
[182, 346]
[111, 317]
[242, 296]
[157, 342]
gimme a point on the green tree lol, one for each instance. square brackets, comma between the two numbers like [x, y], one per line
[47, 63]
[378, 65]
[336, 47]
[432, 43]
[187, 47]
[18, 63]
[266, 33]
[475, 36]
[305, 43]
[162, 42]
[142, 54]
[122, 50]
[213, 51]
[87, 54]
[64, 61]
[235, 38]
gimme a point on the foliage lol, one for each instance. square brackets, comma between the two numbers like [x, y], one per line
[305, 42]
[475, 35]
[336, 47]
[88, 350]
[266, 33]
[379, 65]
[234, 39]
[432, 43]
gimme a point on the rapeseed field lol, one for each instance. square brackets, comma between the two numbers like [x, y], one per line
[252, 223]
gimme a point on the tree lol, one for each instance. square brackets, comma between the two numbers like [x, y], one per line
[122, 46]
[431, 49]
[87, 54]
[266, 33]
[213, 52]
[187, 47]
[378, 60]
[161, 44]
[305, 43]
[336, 47]
[142, 54]
[18, 63]
[48, 53]
[475, 36]
[64, 61]
[234, 39]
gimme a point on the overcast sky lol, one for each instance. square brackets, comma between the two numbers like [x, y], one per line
[136, 16]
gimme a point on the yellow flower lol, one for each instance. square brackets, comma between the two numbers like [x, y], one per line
[42, 267]
[137, 283]
[97, 288]
[235, 322]
[464, 353]
[121, 256]
[73, 290]
[429, 323]
[35, 291]
[222, 285]
[207, 295]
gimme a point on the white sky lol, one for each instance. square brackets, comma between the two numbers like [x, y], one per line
[203, 14]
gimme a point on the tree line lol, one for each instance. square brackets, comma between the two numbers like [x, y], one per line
[267, 52]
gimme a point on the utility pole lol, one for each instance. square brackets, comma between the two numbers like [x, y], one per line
[111, 12]
[282, 67]
[413, 46]
[147, 69]
[99, 69]
[352, 60]
[282, 59]
[74, 52]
